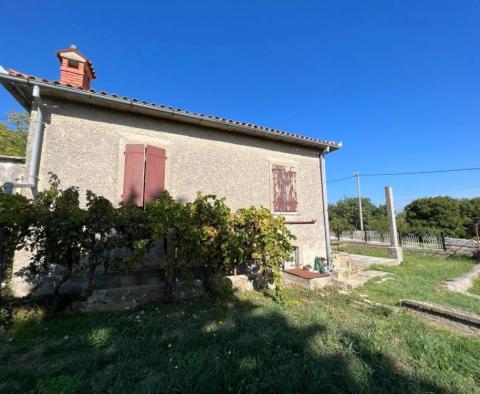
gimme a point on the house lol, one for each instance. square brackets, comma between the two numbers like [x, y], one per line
[128, 149]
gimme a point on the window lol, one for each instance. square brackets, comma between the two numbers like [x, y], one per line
[293, 261]
[144, 175]
[284, 189]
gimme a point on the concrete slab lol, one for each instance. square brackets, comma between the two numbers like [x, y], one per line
[295, 281]
[464, 282]
[350, 271]
[360, 278]
[360, 262]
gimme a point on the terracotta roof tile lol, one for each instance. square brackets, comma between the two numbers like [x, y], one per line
[177, 110]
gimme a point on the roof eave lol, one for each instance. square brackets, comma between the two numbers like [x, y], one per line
[12, 84]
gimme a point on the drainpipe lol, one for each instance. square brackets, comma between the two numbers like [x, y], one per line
[36, 149]
[323, 180]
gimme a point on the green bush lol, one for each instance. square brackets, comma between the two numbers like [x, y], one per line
[14, 226]
[56, 239]
[200, 236]
[264, 241]
[169, 222]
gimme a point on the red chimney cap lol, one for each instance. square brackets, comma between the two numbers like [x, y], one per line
[73, 53]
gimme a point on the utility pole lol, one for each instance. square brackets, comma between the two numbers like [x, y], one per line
[357, 174]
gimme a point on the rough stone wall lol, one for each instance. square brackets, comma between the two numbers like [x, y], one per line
[84, 146]
[11, 169]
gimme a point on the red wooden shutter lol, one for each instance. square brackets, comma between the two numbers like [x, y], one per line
[284, 189]
[291, 189]
[278, 189]
[154, 173]
[133, 178]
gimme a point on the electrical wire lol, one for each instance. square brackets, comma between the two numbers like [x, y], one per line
[408, 173]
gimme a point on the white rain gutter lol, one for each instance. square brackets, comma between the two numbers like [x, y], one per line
[326, 225]
[36, 149]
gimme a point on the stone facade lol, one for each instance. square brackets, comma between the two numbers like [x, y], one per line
[84, 145]
[11, 169]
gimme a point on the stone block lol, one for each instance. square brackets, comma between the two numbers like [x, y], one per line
[240, 282]
[342, 260]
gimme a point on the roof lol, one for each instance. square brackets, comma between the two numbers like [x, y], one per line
[20, 86]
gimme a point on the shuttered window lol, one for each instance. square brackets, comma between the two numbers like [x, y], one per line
[133, 181]
[144, 175]
[284, 189]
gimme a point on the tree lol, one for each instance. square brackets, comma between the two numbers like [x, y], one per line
[13, 141]
[402, 226]
[338, 223]
[470, 209]
[379, 220]
[21, 122]
[435, 215]
[346, 214]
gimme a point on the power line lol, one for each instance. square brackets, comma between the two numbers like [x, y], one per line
[424, 172]
[341, 179]
[409, 173]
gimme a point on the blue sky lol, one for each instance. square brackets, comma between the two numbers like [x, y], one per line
[396, 81]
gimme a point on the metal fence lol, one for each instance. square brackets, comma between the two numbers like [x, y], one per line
[406, 240]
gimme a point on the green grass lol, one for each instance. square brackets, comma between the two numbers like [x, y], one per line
[312, 342]
[419, 277]
[361, 249]
[475, 289]
[318, 341]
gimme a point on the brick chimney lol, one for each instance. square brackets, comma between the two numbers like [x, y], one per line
[75, 68]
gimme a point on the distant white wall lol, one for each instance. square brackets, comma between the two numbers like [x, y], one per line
[11, 169]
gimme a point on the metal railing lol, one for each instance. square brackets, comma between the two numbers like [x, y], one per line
[405, 240]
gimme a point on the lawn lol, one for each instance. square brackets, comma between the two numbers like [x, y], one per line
[311, 342]
[419, 277]
[475, 289]
[362, 249]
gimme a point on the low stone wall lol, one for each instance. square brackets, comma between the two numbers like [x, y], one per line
[124, 298]
[129, 297]
[11, 168]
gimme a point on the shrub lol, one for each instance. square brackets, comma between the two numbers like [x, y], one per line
[14, 226]
[264, 241]
[57, 237]
[169, 222]
[132, 234]
[65, 238]
[100, 239]
[214, 243]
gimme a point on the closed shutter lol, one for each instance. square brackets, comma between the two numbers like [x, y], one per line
[284, 189]
[291, 186]
[154, 172]
[133, 179]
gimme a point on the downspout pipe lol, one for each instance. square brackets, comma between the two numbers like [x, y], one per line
[326, 225]
[32, 182]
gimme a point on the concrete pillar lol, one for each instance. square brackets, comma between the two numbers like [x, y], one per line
[394, 251]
